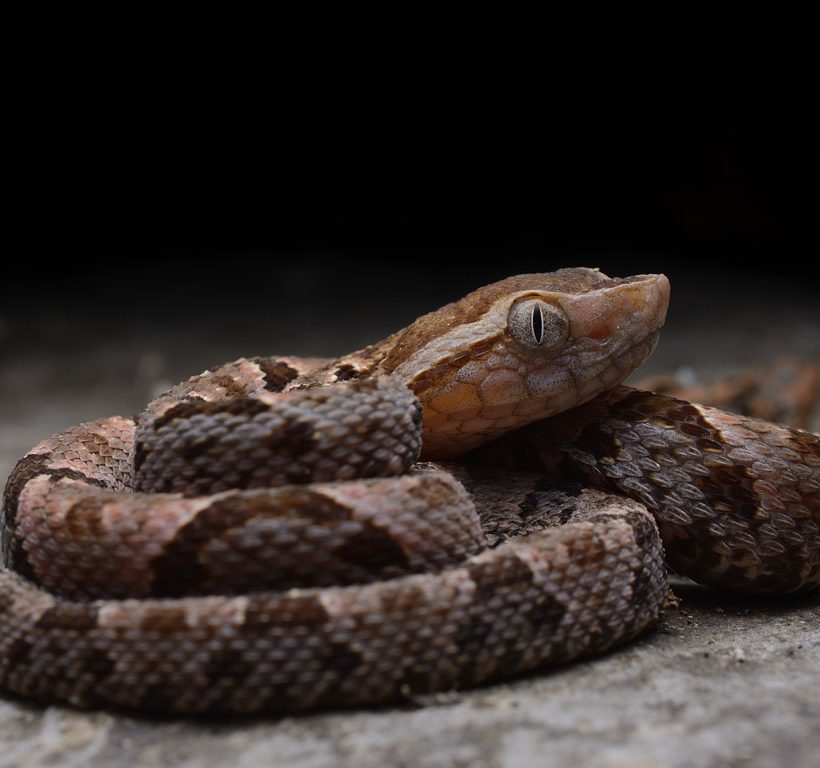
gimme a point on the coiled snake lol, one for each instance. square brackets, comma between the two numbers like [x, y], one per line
[263, 539]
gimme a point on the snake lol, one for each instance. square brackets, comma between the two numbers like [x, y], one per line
[473, 498]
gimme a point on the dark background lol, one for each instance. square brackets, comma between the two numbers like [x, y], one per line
[137, 206]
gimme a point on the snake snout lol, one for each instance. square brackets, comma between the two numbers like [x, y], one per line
[621, 313]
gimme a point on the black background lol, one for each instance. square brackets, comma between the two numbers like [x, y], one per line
[144, 200]
[150, 232]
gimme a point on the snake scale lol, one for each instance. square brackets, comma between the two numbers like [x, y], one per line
[474, 497]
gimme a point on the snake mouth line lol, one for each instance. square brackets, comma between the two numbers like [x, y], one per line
[643, 348]
[614, 369]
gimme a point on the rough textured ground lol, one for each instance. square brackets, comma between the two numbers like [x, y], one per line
[721, 681]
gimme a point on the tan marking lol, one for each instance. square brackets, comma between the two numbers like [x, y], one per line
[501, 387]
[460, 397]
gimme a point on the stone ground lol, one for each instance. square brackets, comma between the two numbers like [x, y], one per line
[722, 681]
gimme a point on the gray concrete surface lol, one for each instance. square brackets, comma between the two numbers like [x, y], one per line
[722, 681]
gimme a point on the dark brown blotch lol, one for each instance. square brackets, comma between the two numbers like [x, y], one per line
[262, 613]
[228, 663]
[276, 373]
[26, 469]
[79, 617]
[245, 406]
[644, 585]
[29, 467]
[373, 550]
[165, 618]
[295, 437]
[348, 372]
[98, 664]
[494, 579]
[180, 570]
[19, 652]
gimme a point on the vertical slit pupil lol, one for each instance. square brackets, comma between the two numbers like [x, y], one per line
[537, 324]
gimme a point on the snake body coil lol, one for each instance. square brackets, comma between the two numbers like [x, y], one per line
[264, 539]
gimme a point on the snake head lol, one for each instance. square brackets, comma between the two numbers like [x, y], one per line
[523, 349]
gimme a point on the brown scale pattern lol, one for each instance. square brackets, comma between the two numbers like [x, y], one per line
[465, 617]
[335, 573]
[502, 612]
[737, 500]
[366, 429]
[86, 542]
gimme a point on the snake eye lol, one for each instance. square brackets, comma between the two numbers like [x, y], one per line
[536, 325]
